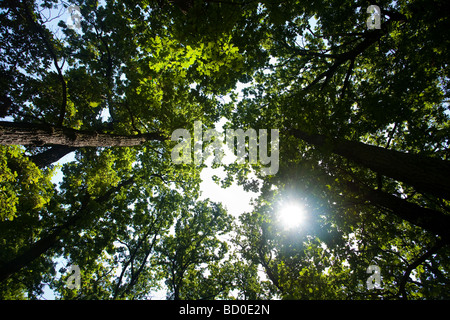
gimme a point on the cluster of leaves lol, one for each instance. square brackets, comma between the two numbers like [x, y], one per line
[22, 183]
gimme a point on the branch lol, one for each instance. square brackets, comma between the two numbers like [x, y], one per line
[130, 260]
[133, 124]
[51, 155]
[347, 77]
[370, 38]
[304, 52]
[47, 42]
[48, 241]
[428, 219]
[415, 264]
[109, 69]
[34, 134]
[425, 174]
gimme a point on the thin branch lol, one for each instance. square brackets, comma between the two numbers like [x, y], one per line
[391, 135]
[370, 38]
[133, 124]
[415, 264]
[347, 78]
[303, 52]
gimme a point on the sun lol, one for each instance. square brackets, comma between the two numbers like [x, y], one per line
[292, 215]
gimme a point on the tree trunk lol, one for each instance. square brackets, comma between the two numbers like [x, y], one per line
[42, 135]
[49, 241]
[433, 221]
[50, 156]
[425, 174]
[35, 251]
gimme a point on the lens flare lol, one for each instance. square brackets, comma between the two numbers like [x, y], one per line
[292, 216]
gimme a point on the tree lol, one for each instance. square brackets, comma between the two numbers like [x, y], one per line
[55, 91]
[352, 102]
[119, 256]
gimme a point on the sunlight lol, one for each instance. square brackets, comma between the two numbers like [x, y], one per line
[292, 215]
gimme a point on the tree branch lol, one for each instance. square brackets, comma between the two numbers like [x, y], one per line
[33, 134]
[347, 77]
[428, 219]
[51, 155]
[53, 237]
[425, 174]
[415, 264]
[369, 37]
[48, 44]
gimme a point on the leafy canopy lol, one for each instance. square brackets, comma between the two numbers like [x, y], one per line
[134, 221]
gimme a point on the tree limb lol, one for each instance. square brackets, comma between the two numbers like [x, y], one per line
[415, 264]
[33, 134]
[53, 237]
[425, 174]
[428, 219]
[51, 155]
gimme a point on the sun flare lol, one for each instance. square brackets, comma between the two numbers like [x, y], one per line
[292, 215]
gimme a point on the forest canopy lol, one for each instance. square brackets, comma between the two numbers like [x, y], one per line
[362, 112]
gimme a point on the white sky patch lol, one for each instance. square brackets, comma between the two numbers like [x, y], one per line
[292, 215]
[105, 115]
[234, 198]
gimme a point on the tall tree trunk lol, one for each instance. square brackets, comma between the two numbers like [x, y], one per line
[428, 175]
[49, 241]
[41, 135]
[433, 221]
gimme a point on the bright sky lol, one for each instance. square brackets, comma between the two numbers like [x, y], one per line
[234, 198]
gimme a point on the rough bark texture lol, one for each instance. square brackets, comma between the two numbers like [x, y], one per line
[428, 175]
[42, 135]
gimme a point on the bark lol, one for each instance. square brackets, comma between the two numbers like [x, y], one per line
[52, 239]
[425, 174]
[43, 135]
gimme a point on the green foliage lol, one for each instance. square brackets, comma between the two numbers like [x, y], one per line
[134, 222]
[386, 88]
[194, 250]
[22, 184]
